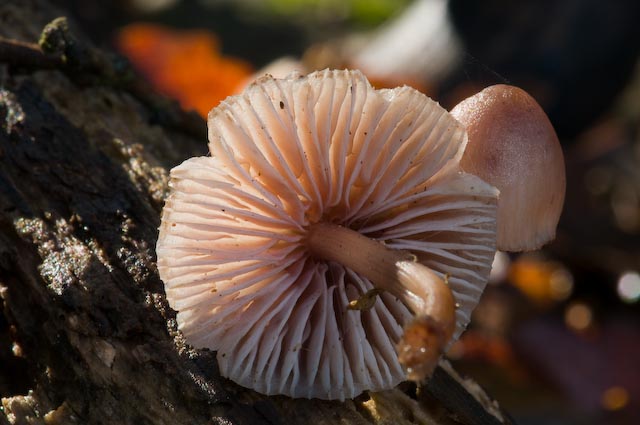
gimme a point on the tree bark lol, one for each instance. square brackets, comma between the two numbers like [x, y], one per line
[86, 335]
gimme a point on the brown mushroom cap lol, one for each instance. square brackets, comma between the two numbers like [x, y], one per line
[289, 154]
[513, 146]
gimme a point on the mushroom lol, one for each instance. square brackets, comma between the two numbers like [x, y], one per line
[330, 244]
[513, 146]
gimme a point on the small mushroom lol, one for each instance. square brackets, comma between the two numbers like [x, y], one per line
[513, 146]
[331, 244]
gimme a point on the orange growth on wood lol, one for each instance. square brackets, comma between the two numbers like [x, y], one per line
[184, 64]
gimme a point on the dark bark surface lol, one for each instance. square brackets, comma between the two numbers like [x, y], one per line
[86, 335]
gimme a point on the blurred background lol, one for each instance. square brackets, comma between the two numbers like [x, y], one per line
[556, 338]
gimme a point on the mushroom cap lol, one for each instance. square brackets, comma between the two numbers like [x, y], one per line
[289, 153]
[513, 146]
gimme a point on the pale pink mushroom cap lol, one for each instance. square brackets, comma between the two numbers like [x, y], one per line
[293, 152]
[513, 146]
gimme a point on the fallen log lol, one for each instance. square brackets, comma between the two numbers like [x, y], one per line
[86, 335]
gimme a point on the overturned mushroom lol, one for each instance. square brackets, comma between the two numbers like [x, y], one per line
[331, 224]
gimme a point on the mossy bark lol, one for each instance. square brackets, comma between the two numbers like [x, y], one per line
[86, 335]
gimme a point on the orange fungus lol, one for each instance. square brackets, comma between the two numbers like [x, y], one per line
[184, 64]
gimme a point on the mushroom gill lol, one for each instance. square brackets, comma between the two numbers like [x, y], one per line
[323, 155]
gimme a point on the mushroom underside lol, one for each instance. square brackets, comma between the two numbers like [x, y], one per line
[287, 154]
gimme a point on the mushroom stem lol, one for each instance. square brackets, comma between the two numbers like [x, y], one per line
[398, 272]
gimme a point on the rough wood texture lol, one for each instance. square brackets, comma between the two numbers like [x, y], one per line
[86, 335]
